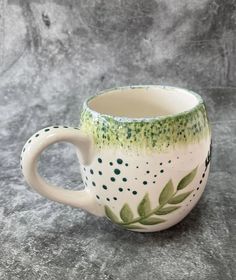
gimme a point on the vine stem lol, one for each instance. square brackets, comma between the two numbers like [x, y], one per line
[139, 219]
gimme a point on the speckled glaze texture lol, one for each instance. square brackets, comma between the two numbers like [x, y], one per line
[153, 135]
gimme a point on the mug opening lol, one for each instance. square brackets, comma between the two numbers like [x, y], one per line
[143, 102]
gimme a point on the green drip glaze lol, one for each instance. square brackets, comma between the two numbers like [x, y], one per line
[153, 134]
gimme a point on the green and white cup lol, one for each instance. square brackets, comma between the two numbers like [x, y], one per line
[144, 155]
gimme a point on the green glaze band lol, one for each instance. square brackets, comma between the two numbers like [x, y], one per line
[147, 133]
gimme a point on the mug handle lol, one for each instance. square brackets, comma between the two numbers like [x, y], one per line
[37, 144]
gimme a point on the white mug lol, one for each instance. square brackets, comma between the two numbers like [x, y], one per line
[144, 155]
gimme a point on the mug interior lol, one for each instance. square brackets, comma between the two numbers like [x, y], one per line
[144, 101]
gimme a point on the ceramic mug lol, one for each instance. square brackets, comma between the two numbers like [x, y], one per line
[144, 155]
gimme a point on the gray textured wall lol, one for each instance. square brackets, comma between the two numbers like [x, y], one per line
[98, 44]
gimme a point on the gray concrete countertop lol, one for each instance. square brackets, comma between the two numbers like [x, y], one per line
[54, 54]
[41, 239]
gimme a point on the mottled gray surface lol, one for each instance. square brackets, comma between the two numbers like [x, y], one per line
[53, 54]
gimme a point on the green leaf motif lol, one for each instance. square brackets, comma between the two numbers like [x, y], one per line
[179, 198]
[166, 193]
[166, 210]
[187, 179]
[111, 215]
[131, 227]
[144, 206]
[152, 221]
[126, 213]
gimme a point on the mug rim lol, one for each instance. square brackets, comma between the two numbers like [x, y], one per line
[142, 119]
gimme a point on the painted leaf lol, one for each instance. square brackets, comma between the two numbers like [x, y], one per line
[111, 215]
[166, 193]
[126, 213]
[152, 221]
[187, 179]
[166, 210]
[144, 206]
[132, 227]
[179, 198]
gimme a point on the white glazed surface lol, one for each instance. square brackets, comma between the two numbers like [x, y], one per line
[175, 165]
[134, 170]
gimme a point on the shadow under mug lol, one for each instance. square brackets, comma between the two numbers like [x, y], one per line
[144, 155]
